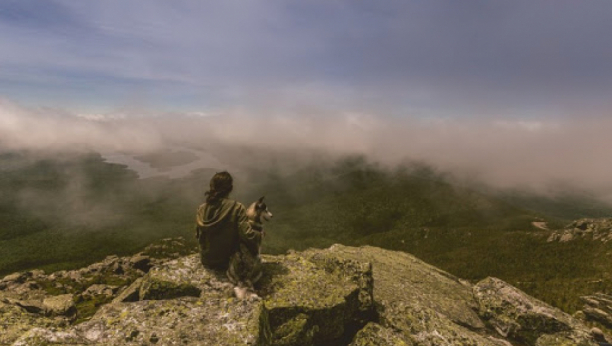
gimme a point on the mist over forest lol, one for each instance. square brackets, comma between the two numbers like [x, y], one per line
[544, 156]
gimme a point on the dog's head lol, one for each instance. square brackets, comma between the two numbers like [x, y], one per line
[258, 211]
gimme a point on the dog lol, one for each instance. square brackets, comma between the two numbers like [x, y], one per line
[257, 213]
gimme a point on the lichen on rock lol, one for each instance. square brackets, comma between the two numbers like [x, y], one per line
[598, 308]
[401, 277]
[62, 305]
[15, 321]
[297, 331]
[427, 327]
[336, 296]
[373, 334]
[177, 278]
[326, 298]
[515, 315]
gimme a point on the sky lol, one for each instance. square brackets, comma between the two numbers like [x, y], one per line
[514, 93]
[518, 59]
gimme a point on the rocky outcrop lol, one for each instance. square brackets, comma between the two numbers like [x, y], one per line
[517, 316]
[373, 334]
[186, 321]
[592, 229]
[33, 299]
[336, 296]
[304, 301]
[598, 308]
[16, 320]
[427, 305]
[62, 305]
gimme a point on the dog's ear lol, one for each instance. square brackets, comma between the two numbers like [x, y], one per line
[261, 199]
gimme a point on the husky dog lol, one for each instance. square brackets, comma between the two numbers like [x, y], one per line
[258, 213]
[245, 266]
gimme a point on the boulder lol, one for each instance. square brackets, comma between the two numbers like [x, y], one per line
[421, 303]
[598, 308]
[130, 293]
[36, 273]
[74, 275]
[15, 321]
[117, 268]
[560, 339]
[295, 332]
[141, 262]
[307, 295]
[15, 278]
[515, 315]
[427, 327]
[178, 278]
[402, 278]
[186, 321]
[62, 305]
[373, 334]
[599, 336]
[99, 290]
[32, 305]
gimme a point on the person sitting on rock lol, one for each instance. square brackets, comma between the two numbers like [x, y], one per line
[225, 236]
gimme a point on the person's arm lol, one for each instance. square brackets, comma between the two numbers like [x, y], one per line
[199, 221]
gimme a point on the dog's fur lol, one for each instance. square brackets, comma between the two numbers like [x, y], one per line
[257, 213]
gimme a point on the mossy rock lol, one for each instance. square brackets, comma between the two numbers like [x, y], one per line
[44, 337]
[560, 340]
[374, 334]
[62, 305]
[419, 302]
[295, 332]
[426, 327]
[178, 278]
[516, 315]
[336, 296]
[130, 293]
[157, 290]
[400, 278]
[325, 300]
[15, 321]
[188, 321]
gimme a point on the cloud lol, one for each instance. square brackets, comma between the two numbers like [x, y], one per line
[54, 129]
[499, 152]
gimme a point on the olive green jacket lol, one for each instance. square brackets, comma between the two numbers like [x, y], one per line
[220, 227]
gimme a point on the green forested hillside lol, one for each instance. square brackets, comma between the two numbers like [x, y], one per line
[65, 211]
[468, 233]
[70, 210]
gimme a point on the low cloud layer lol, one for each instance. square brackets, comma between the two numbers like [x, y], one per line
[506, 154]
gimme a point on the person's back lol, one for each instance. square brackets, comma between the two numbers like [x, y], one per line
[217, 232]
[222, 225]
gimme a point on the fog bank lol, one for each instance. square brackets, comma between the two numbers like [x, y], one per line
[534, 154]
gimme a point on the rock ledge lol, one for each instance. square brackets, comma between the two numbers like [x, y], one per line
[336, 296]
